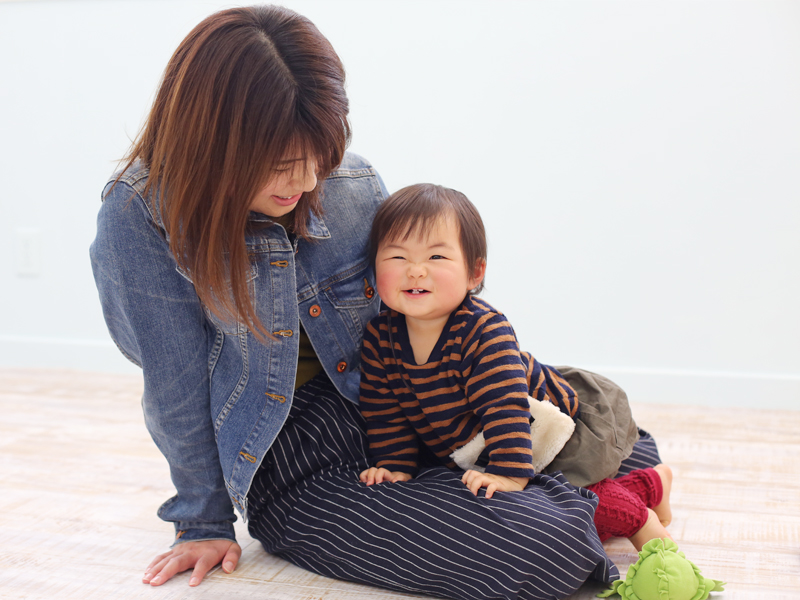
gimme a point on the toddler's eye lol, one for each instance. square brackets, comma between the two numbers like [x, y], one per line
[437, 257]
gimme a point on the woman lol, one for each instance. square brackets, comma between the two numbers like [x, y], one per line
[231, 264]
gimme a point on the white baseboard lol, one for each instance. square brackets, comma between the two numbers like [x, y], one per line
[766, 391]
[64, 353]
[663, 386]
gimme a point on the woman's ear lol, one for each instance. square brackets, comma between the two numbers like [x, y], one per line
[477, 274]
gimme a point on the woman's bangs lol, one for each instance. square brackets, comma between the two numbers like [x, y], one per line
[322, 150]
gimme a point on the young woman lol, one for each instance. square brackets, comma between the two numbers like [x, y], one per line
[231, 262]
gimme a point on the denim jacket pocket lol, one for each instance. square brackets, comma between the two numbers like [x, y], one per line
[352, 293]
[352, 288]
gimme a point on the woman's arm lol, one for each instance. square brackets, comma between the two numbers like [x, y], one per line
[156, 319]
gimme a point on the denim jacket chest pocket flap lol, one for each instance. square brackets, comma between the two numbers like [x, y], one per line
[350, 293]
[351, 288]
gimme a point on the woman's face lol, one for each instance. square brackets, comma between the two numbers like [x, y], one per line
[287, 184]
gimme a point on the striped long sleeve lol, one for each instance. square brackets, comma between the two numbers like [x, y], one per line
[497, 392]
[548, 385]
[476, 379]
[393, 440]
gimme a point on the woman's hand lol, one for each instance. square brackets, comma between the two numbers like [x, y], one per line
[201, 556]
[475, 480]
[376, 475]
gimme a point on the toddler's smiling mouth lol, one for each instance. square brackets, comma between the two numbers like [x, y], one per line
[416, 291]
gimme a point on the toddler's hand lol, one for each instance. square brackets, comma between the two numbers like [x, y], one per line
[475, 480]
[376, 475]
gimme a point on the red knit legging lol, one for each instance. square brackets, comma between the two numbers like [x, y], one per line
[622, 510]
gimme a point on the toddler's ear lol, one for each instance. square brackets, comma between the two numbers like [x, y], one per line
[478, 274]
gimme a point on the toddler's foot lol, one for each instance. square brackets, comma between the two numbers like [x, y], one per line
[652, 529]
[663, 510]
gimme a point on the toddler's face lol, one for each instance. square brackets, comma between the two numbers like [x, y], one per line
[425, 278]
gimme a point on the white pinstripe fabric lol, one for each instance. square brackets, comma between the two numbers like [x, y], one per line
[644, 455]
[429, 535]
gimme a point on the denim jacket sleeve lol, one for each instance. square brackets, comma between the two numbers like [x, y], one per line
[157, 321]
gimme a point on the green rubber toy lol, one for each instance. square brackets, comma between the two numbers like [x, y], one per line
[663, 573]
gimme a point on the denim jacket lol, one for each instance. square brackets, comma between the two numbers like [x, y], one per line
[215, 397]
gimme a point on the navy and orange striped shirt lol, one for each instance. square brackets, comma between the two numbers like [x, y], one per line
[475, 379]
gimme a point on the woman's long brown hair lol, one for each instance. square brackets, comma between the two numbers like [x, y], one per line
[247, 89]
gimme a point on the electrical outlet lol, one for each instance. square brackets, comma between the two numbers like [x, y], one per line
[29, 252]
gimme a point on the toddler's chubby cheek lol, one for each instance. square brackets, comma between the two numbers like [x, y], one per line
[384, 284]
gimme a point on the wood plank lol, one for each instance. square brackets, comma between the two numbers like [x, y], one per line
[81, 480]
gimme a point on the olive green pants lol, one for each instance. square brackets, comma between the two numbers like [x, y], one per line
[604, 434]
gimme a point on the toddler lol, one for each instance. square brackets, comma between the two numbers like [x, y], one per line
[441, 366]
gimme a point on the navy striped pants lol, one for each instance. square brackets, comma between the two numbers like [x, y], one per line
[429, 535]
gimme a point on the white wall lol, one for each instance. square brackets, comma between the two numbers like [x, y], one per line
[636, 163]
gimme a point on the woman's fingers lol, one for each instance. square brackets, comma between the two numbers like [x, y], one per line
[202, 567]
[154, 568]
[174, 565]
[157, 560]
[232, 558]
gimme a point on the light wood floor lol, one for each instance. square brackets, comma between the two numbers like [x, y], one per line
[80, 481]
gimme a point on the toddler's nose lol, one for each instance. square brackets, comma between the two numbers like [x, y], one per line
[416, 270]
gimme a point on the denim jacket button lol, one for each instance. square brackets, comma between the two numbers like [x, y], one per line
[315, 310]
[341, 367]
[369, 291]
